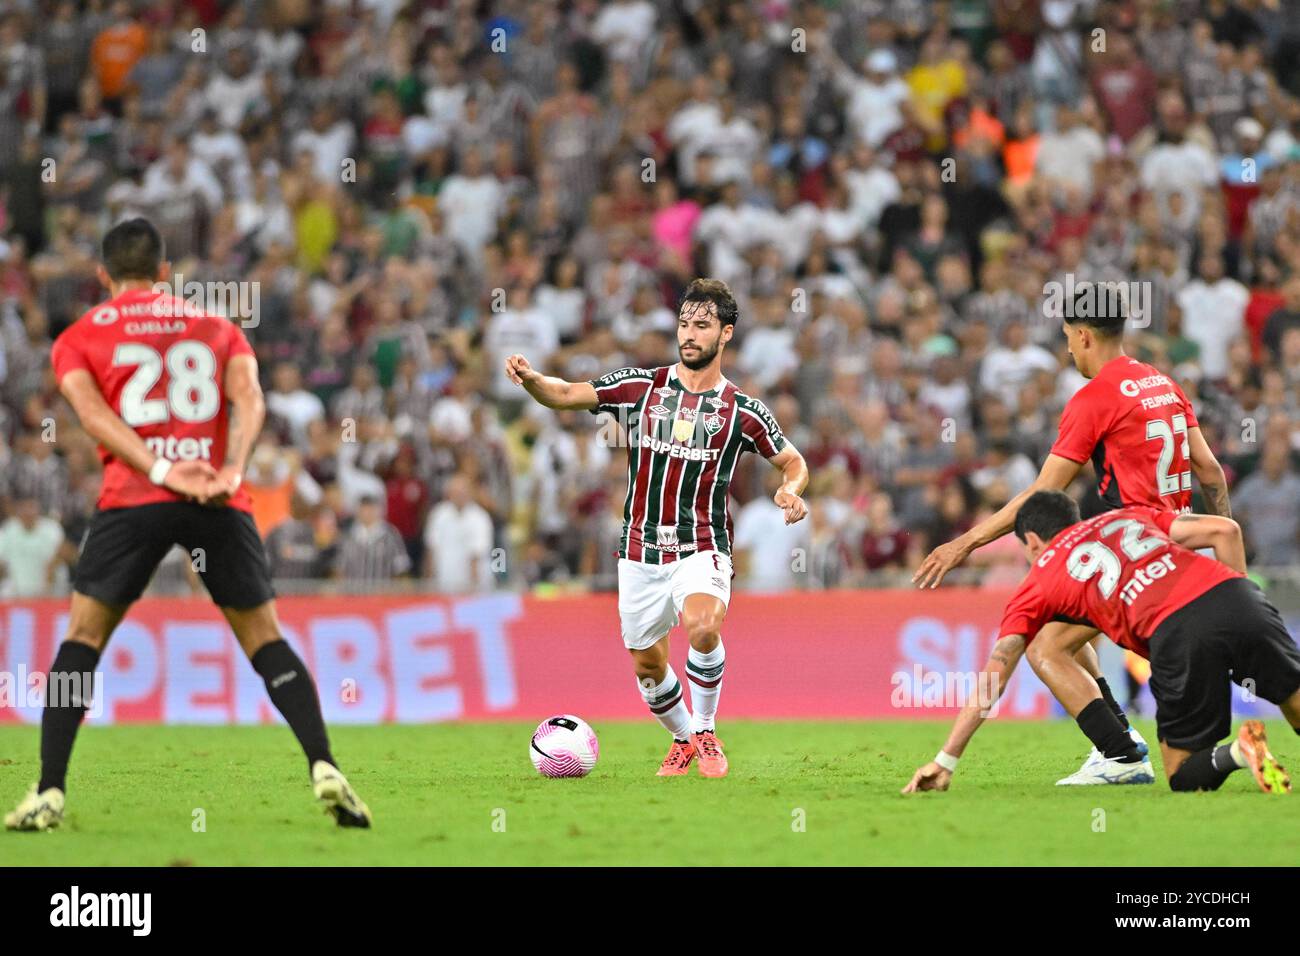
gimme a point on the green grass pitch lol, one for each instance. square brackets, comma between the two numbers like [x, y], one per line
[799, 793]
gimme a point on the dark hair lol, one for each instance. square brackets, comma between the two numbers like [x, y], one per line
[1047, 514]
[133, 249]
[715, 291]
[1095, 314]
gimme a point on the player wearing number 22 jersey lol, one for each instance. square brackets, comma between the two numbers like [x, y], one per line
[686, 427]
[1141, 434]
[171, 395]
[1133, 422]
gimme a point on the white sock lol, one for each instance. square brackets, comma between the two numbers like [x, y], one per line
[704, 671]
[667, 701]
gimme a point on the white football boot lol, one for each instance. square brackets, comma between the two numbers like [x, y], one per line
[337, 796]
[1098, 770]
[37, 811]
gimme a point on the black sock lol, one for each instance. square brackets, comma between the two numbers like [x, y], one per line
[1221, 758]
[1102, 727]
[1200, 771]
[1111, 702]
[73, 669]
[293, 692]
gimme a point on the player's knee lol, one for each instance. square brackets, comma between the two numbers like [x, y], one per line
[1036, 653]
[650, 662]
[704, 631]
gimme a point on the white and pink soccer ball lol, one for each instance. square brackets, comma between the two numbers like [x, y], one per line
[564, 746]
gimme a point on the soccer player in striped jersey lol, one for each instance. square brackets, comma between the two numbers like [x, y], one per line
[686, 428]
[1142, 436]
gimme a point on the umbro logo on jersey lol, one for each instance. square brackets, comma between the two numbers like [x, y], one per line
[659, 411]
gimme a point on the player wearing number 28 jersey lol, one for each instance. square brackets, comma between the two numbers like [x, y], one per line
[171, 395]
[158, 361]
[686, 427]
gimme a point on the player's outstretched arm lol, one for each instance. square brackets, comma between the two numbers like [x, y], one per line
[1211, 531]
[188, 478]
[989, 685]
[794, 471]
[548, 390]
[1208, 471]
[1056, 475]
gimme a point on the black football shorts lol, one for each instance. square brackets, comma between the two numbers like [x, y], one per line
[123, 547]
[1228, 634]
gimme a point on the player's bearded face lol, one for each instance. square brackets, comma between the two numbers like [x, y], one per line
[698, 347]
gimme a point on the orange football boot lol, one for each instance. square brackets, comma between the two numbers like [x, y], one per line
[1269, 774]
[713, 762]
[678, 761]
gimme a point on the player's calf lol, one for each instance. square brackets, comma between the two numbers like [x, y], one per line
[707, 658]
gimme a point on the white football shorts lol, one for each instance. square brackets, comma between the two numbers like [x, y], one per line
[651, 596]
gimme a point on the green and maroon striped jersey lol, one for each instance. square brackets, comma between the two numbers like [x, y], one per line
[682, 449]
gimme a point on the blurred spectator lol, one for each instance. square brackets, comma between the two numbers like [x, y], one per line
[770, 554]
[1213, 313]
[32, 552]
[1265, 504]
[458, 542]
[371, 550]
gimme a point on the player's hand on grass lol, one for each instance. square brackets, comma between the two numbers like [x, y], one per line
[223, 486]
[518, 369]
[929, 777]
[938, 563]
[795, 508]
[190, 479]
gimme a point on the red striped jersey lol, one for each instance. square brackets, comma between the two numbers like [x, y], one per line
[1132, 421]
[682, 449]
[1118, 572]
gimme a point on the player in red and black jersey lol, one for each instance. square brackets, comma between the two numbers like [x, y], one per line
[1202, 624]
[171, 395]
[1141, 434]
[686, 428]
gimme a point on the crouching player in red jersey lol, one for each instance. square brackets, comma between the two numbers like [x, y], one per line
[150, 377]
[1202, 624]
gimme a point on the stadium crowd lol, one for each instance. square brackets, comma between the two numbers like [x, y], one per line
[415, 190]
